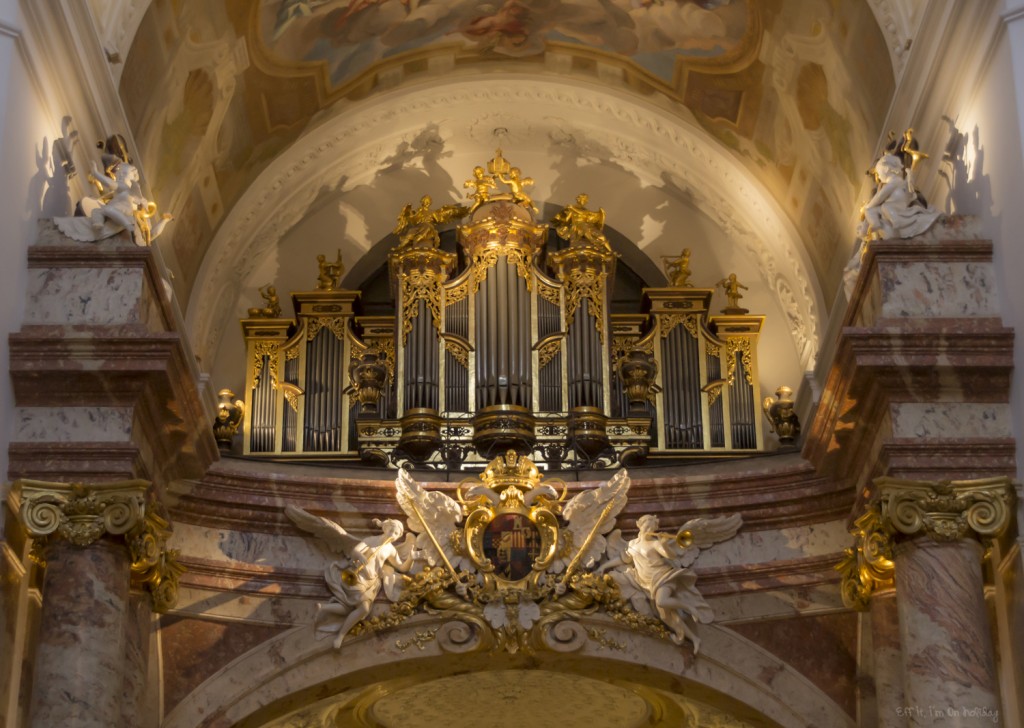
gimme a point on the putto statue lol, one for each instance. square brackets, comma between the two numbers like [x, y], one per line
[732, 287]
[895, 210]
[677, 270]
[329, 275]
[510, 557]
[119, 206]
[272, 307]
[416, 228]
[356, 579]
[581, 226]
[653, 570]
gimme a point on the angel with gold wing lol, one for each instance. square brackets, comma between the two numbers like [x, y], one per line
[653, 570]
[589, 516]
[356, 579]
[416, 228]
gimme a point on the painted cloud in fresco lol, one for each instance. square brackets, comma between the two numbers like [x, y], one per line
[350, 35]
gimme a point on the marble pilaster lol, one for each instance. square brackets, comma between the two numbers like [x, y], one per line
[945, 636]
[90, 663]
[79, 669]
[887, 661]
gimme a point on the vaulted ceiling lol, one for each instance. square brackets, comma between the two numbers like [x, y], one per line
[281, 129]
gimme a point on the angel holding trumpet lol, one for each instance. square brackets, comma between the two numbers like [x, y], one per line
[655, 566]
[354, 581]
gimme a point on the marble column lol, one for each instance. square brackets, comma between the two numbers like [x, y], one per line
[867, 585]
[83, 533]
[945, 636]
[887, 661]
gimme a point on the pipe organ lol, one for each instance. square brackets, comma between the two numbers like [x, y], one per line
[503, 344]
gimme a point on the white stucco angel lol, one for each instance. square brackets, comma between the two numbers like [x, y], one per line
[356, 579]
[120, 206]
[433, 517]
[653, 570]
[589, 516]
[894, 211]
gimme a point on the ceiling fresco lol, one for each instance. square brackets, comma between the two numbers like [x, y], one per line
[218, 93]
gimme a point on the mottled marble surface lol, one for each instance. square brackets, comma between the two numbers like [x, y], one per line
[79, 672]
[822, 648]
[887, 661]
[937, 289]
[949, 666]
[938, 420]
[73, 424]
[194, 649]
[99, 296]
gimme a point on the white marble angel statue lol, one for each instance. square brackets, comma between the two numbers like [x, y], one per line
[120, 206]
[653, 570]
[894, 211]
[355, 581]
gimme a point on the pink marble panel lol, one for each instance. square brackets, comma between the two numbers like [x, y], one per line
[822, 648]
[194, 649]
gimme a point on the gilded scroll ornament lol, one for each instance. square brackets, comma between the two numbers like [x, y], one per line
[744, 346]
[867, 566]
[420, 285]
[947, 510]
[79, 513]
[269, 350]
[153, 565]
[513, 565]
[589, 284]
[549, 293]
[334, 324]
[668, 321]
[458, 350]
[548, 350]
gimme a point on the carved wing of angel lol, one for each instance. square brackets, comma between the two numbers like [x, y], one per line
[334, 536]
[405, 217]
[703, 532]
[432, 515]
[590, 515]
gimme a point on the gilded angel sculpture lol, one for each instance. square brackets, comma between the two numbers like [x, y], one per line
[581, 226]
[653, 570]
[356, 579]
[416, 228]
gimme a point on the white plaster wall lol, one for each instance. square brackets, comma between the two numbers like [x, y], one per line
[994, 185]
[28, 186]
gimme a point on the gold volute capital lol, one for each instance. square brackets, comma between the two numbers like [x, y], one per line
[947, 510]
[867, 566]
[153, 565]
[80, 513]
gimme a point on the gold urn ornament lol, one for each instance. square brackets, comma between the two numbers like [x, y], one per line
[780, 413]
[229, 416]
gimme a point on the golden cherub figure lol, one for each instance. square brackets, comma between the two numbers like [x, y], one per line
[329, 278]
[512, 176]
[481, 184]
[677, 270]
[581, 226]
[416, 229]
[272, 309]
[732, 292]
